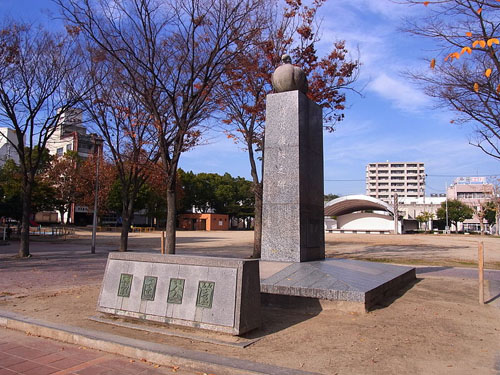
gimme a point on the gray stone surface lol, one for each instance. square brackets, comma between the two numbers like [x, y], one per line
[292, 228]
[232, 306]
[360, 282]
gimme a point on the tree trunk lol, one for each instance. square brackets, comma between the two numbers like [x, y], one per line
[62, 212]
[171, 221]
[24, 244]
[127, 216]
[124, 232]
[257, 224]
[257, 189]
[497, 216]
[480, 216]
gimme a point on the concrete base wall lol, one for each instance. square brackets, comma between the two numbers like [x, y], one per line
[365, 221]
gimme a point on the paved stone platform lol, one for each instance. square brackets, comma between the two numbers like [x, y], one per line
[359, 284]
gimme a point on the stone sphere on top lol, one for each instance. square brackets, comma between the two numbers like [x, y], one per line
[288, 77]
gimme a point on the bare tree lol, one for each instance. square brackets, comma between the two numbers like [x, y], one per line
[125, 127]
[465, 74]
[172, 55]
[36, 69]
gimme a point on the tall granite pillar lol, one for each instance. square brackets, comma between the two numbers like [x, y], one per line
[293, 212]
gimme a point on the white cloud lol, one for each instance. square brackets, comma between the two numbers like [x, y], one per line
[399, 92]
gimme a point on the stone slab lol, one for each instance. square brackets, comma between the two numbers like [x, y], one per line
[219, 294]
[292, 212]
[232, 341]
[358, 282]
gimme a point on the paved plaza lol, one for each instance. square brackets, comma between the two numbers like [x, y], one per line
[62, 277]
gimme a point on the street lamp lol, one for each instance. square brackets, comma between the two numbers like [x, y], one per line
[97, 141]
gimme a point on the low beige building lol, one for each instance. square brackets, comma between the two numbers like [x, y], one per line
[473, 191]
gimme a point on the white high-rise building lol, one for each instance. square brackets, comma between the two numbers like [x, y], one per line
[7, 151]
[407, 179]
[71, 135]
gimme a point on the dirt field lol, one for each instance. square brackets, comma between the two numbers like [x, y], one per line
[419, 249]
[433, 327]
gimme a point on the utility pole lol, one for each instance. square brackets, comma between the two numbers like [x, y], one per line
[396, 215]
[447, 227]
[97, 144]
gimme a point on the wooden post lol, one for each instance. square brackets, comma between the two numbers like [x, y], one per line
[480, 261]
[162, 242]
[396, 214]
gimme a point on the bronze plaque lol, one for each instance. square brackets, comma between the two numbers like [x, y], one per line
[175, 291]
[205, 294]
[149, 288]
[125, 285]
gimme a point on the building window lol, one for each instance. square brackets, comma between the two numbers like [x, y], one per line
[60, 151]
[69, 147]
[471, 195]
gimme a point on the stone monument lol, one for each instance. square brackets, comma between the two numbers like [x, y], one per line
[292, 225]
[219, 294]
[293, 268]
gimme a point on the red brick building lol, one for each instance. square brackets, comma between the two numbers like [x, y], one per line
[203, 222]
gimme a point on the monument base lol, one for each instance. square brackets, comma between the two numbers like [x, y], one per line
[218, 294]
[347, 284]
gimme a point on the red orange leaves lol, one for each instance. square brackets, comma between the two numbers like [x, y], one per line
[481, 43]
[466, 49]
[451, 56]
[492, 41]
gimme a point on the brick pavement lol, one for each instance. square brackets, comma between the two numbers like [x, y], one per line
[30, 355]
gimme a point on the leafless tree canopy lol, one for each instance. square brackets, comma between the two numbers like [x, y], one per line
[37, 72]
[171, 55]
[461, 84]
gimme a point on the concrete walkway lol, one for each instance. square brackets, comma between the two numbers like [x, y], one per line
[30, 355]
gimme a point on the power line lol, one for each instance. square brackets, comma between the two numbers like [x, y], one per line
[345, 180]
[427, 175]
[461, 175]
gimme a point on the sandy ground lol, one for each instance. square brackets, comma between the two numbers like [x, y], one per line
[454, 250]
[435, 326]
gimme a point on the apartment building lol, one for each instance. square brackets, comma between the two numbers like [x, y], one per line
[7, 151]
[71, 135]
[407, 179]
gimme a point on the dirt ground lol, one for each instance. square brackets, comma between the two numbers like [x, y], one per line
[434, 326]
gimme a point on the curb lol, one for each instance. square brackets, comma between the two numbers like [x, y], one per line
[152, 352]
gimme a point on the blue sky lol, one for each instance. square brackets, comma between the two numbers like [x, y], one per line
[392, 121]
